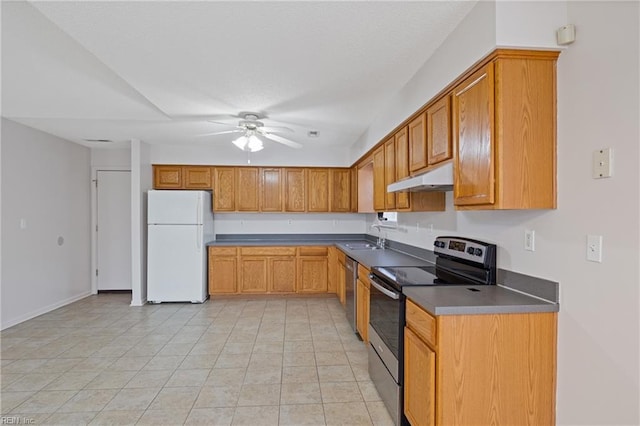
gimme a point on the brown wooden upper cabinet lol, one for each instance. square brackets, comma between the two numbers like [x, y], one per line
[379, 188]
[504, 133]
[389, 173]
[354, 189]
[439, 131]
[295, 190]
[271, 196]
[224, 189]
[340, 190]
[247, 189]
[402, 166]
[181, 177]
[318, 190]
[418, 143]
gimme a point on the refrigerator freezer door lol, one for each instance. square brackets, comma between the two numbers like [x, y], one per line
[175, 207]
[175, 262]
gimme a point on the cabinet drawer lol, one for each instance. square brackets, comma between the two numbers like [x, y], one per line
[268, 251]
[363, 274]
[313, 251]
[421, 323]
[223, 251]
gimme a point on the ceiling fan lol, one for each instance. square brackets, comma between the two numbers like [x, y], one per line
[251, 128]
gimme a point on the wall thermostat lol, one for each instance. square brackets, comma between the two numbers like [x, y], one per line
[566, 34]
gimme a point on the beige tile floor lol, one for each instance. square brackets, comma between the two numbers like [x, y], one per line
[284, 361]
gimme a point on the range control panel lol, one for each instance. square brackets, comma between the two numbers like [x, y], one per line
[467, 249]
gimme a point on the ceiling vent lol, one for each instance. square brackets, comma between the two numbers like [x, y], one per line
[313, 133]
[98, 140]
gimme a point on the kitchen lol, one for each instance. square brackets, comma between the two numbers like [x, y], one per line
[584, 339]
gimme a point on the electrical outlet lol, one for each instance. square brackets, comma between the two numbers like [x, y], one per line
[530, 240]
[594, 248]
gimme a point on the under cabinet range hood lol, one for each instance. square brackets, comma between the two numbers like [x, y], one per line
[438, 179]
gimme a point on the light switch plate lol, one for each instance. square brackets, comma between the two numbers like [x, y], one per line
[530, 240]
[602, 163]
[594, 248]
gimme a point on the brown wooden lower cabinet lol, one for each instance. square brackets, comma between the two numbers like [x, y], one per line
[264, 270]
[312, 269]
[479, 369]
[362, 303]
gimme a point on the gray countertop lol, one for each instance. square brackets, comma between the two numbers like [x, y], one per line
[488, 299]
[438, 300]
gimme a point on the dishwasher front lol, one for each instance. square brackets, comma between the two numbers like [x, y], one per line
[351, 271]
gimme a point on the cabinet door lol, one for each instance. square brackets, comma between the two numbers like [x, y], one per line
[341, 283]
[418, 144]
[473, 112]
[318, 190]
[222, 274]
[253, 274]
[362, 310]
[332, 270]
[419, 380]
[389, 173]
[402, 166]
[312, 274]
[354, 190]
[282, 274]
[271, 194]
[247, 189]
[167, 177]
[295, 190]
[379, 190]
[340, 190]
[439, 131]
[224, 187]
[197, 177]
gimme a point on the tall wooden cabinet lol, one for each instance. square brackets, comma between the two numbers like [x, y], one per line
[271, 194]
[389, 173]
[318, 190]
[439, 131]
[379, 175]
[418, 143]
[295, 190]
[340, 190]
[504, 137]
[247, 188]
[401, 139]
[224, 189]
[479, 369]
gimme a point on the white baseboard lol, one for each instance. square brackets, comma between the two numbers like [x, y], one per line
[44, 310]
[138, 303]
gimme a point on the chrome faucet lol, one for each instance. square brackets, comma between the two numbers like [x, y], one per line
[381, 240]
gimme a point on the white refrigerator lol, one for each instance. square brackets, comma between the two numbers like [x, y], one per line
[179, 224]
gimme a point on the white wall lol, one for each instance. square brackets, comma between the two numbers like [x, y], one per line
[599, 323]
[272, 155]
[291, 223]
[105, 157]
[141, 182]
[46, 182]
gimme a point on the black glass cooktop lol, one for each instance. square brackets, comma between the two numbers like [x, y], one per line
[402, 276]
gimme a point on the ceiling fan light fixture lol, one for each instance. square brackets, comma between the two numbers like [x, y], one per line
[249, 143]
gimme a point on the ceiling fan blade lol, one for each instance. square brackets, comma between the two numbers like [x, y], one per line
[222, 133]
[224, 124]
[282, 140]
[270, 129]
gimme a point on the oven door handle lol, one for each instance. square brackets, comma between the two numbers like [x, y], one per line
[389, 293]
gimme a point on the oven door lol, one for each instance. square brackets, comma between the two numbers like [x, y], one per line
[386, 318]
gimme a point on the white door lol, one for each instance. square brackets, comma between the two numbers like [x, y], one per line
[113, 230]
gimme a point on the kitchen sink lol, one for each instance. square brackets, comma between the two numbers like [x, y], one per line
[361, 246]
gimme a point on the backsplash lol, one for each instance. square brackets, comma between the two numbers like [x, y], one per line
[289, 223]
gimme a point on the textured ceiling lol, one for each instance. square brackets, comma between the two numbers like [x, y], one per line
[156, 71]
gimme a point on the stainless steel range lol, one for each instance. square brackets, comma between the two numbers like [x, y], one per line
[459, 261]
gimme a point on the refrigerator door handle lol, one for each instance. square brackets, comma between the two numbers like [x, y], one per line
[199, 240]
[199, 209]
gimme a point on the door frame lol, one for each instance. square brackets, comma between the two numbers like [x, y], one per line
[94, 218]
